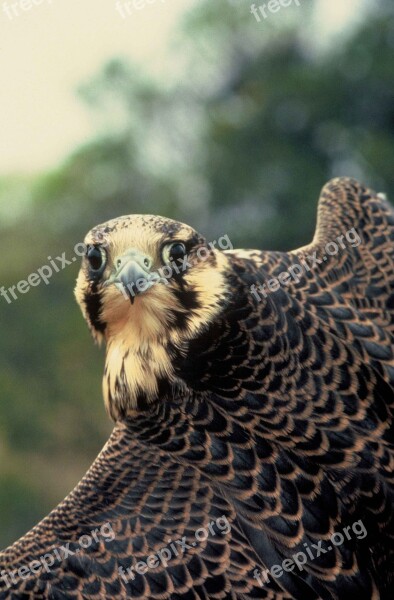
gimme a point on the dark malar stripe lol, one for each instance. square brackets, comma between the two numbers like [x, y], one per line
[93, 305]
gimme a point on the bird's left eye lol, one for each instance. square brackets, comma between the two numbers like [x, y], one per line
[97, 259]
[173, 252]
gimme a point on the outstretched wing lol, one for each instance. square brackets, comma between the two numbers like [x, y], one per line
[145, 499]
[139, 525]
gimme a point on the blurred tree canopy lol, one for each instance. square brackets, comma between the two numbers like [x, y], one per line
[240, 146]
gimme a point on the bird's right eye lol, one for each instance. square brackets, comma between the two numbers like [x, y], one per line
[97, 259]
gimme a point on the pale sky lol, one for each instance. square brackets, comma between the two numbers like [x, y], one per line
[47, 51]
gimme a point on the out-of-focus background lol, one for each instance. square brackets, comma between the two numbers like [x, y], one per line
[195, 109]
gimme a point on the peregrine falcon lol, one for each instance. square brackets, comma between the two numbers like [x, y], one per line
[252, 393]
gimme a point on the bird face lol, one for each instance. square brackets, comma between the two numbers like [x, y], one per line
[147, 286]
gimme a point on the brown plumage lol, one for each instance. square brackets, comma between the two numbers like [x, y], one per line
[268, 409]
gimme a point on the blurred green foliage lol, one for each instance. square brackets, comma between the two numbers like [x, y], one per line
[241, 146]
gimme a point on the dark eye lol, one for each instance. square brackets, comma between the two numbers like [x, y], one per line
[173, 252]
[97, 258]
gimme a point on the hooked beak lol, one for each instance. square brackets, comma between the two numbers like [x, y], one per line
[133, 274]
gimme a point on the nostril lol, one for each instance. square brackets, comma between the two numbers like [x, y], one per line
[143, 261]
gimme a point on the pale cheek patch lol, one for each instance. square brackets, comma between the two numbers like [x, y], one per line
[212, 288]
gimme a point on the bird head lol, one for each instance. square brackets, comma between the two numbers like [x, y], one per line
[147, 286]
